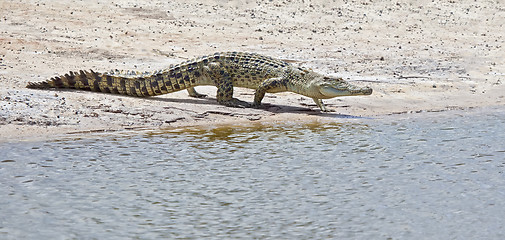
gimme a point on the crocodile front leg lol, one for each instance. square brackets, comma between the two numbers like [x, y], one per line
[224, 86]
[320, 104]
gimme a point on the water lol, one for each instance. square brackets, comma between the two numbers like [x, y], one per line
[417, 176]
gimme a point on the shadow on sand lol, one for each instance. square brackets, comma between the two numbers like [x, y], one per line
[272, 108]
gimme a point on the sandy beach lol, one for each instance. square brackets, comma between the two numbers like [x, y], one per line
[422, 56]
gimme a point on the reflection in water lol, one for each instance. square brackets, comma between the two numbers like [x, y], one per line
[438, 175]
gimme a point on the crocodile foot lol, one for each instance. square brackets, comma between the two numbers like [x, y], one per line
[198, 95]
[193, 93]
[236, 103]
[326, 110]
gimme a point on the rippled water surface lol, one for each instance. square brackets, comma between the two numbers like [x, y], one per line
[418, 176]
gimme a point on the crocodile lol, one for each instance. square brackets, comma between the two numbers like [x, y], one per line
[224, 70]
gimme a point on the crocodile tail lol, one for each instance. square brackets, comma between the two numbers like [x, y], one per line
[96, 82]
[86, 80]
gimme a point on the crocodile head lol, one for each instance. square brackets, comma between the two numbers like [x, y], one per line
[328, 87]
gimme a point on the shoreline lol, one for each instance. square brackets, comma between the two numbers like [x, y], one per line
[34, 133]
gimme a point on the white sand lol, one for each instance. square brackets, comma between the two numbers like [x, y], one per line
[423, 56]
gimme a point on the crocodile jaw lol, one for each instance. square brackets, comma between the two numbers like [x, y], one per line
[341, 91]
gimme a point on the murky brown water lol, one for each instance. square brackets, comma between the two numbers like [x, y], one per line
[420, 176]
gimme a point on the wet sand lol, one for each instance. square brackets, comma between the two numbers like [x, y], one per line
[423, 56]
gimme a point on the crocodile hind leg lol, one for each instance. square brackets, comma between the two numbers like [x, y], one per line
[271, 85]
[224, 86]
[193, 93]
